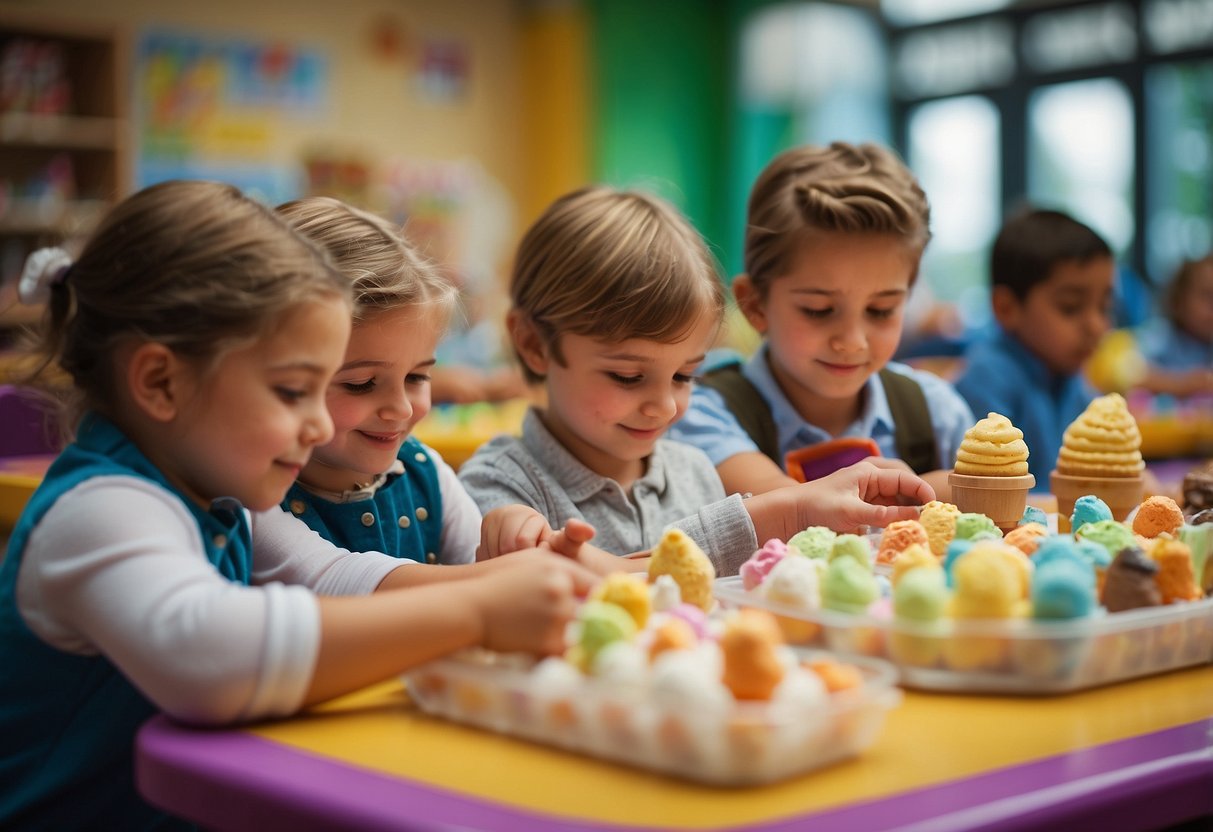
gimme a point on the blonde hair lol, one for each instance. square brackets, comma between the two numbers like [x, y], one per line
[385, 271]
[613, 265]
[840, 189]
[196, 266]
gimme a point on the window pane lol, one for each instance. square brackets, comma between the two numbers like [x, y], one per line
[809, 73]
[1080, 155]
[908, 12]
[1179, 196]
[954, 150]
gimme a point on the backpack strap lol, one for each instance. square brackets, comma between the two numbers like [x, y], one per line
[913, 433]
[748, 407]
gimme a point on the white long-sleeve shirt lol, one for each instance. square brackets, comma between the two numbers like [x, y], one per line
[117, 567]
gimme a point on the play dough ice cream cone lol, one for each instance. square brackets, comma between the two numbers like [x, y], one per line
[991, 472]
[1101, 455]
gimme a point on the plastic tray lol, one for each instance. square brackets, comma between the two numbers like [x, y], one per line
[754, 742]
[1021, 657]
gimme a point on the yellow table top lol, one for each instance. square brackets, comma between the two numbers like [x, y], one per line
[931, 739]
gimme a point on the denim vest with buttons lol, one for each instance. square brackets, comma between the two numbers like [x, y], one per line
[403, 518]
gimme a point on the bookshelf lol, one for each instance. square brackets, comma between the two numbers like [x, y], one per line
[64, 138]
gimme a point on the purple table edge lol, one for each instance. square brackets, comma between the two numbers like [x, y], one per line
[241, 781]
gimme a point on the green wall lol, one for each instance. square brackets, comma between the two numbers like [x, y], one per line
[661, 87]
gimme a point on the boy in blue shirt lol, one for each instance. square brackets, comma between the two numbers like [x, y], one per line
[1051, 293]
[833, 240]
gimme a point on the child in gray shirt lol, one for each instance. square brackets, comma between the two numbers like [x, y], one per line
[615, 301]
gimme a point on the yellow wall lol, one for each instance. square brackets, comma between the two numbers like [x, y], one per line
[556, 119]
[376, 110]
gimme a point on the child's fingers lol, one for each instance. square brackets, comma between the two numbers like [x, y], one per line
[884, 515]
[578, 531]
[896, 486]
[531, 533]
[567, 541]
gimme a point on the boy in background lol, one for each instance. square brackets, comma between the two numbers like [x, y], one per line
[1051, 293]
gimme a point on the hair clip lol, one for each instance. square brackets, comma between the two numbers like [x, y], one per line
[44, 268]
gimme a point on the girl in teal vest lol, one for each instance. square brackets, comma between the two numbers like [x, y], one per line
[373, 486]
[153, 569]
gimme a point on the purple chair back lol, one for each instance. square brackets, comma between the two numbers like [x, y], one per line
[26, 427]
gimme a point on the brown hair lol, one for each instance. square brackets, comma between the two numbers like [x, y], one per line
[613, 265]
[386, 272]
[1034, 242]
[840, 189]
[1181, 285]
[196, 266]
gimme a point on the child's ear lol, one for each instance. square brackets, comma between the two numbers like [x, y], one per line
[750, 302]
[1007, 308]
[527, 341]
[156, 378]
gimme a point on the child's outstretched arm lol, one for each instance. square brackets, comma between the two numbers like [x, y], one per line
[863, 494]
[521, 603]
[573, 542]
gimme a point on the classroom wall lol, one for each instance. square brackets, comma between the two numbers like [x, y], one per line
[374, 109]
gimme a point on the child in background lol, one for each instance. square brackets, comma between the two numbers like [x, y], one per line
[1051, 293]
[1178, 347]
[833, 240]
[615, 302]
[373, 487]
[153, 569]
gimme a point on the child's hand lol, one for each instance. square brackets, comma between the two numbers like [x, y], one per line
[863, 494]
[527, 601]
[573, 542]
[510, 528]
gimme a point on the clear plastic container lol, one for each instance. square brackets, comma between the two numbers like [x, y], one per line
[749, 743]
[1018, 656]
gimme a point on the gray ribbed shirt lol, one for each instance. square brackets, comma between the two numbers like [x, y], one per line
[679, 489]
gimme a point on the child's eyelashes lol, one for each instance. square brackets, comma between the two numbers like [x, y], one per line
[358, 386]
[417, 378]
[632, 381]
[816, 313]
[874, 313]
[291, 395]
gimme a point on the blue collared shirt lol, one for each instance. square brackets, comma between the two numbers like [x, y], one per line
[709, 425]
[1003, 376]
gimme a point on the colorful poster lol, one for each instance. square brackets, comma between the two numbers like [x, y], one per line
[215, 107]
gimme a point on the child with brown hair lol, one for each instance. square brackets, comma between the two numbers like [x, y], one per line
[1178, 346]
[615, 302]
[374, 487]
[153, 569]
[1051, 291]
[833, 240]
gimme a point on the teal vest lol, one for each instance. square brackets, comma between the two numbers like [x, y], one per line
[403, 519]
[68, 722]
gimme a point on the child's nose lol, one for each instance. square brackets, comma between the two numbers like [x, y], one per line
[663, 403]
[396, 406]
[318, 427]
[847, 339]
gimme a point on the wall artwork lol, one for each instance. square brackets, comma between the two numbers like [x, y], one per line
[215, 107]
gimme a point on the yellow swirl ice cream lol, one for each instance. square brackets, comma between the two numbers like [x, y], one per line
[992, 448]
[1102, 442]
[991, 472]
